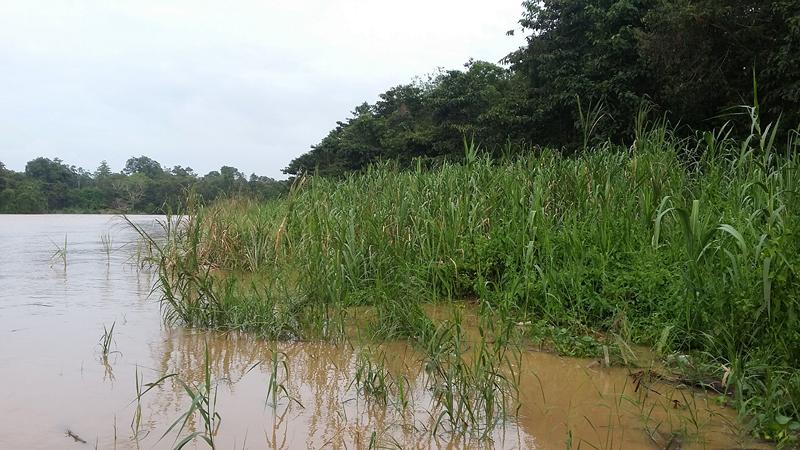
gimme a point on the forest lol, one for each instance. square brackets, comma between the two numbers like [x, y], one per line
[691, 61]
[143, 186]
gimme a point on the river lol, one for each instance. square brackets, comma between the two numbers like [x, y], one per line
[59, 389]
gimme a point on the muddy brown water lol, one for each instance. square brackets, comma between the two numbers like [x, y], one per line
[58, 390]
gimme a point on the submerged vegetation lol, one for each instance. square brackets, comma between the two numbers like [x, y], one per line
[203, 403]
[60, 254]
[107, 339]
[687, 245]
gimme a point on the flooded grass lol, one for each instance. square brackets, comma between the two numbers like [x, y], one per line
[588, 256]
[203, 398]
[346, 397]
[107, 339]
[60, 254]
[278, 378]
[107, 244]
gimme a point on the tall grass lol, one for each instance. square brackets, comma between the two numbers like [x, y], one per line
[687, 245]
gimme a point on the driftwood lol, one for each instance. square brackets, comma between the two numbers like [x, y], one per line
[650, 375]
[75, 437]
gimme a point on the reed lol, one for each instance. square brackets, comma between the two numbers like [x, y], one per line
[278, 379]
[107, 244]
[689, 245]
[202, 407]
[107, 339]
[60, 254]
[203, 398]
[372, 379]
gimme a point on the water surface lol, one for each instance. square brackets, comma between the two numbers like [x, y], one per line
[55, 379]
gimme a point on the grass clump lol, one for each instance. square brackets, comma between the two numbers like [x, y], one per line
[107, 339]
[60, 254]
[690, 246]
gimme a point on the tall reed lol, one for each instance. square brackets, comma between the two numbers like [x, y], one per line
[691, 245]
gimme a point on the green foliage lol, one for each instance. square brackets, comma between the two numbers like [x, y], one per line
[22, 196]
[103, 170]
[687, 59]
[144, 166]
[423, 119]
[702, 54]
[3, 174]
[54, 178]
[143, 186]
[583, 48]
[620, 244]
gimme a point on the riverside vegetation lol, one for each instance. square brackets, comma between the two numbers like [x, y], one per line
[686, 245]
[143, 186]
[682, 242]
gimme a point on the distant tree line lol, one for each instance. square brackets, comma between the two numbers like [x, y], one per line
[50, 185]
[690, 59]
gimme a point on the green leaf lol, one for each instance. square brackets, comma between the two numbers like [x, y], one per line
[736, 235]
[782, 420]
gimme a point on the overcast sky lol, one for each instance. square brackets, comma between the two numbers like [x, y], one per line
[203, 84]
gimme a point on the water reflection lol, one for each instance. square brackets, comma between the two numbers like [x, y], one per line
[560, 398]
[321, 405]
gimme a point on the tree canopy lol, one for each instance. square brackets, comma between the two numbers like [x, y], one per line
[690, 59]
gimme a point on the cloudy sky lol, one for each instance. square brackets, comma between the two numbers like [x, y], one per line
[206, 83]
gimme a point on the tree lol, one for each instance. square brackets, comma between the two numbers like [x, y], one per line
[227, 181]
[133, 187]
[3, 181]
[351, 145]
[583, 48]
[703, 55]
[25, 197]
[55, 178]
[103, 170]
[179, 171]
[143, 165]
[50, 185]
[471, 103]
[419, 120]
[266, 188]
[694, 59]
